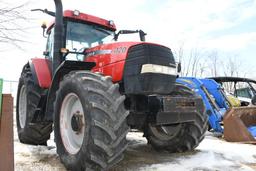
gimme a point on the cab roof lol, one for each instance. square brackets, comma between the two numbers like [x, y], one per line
[232, 79]
[69, 14]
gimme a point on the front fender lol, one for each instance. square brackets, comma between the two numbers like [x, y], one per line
[64, 68]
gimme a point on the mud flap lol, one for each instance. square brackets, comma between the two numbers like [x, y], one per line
[236, 124]
[6, 134]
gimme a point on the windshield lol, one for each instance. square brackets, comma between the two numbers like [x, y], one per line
[80, 36]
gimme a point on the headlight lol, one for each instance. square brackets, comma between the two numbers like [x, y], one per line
[160, 69]
[76, 13]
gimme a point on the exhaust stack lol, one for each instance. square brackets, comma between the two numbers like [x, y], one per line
[58, 36]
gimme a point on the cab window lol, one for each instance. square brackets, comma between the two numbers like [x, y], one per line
[49, 46]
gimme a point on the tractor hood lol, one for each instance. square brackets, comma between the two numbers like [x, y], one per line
[140, 52]
[118, 51]
[137, 62]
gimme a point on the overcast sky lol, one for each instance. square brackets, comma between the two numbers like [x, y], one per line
[225, 25]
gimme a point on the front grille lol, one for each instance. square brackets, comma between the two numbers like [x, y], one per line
[151, 54]
[136, 82]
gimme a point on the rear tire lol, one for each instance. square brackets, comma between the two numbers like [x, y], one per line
[100, 128]
[179, 137]
[28, 97]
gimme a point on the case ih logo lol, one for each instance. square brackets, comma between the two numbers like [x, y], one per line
[103, 52]
[98, 52]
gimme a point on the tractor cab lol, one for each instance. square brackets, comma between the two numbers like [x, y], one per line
[242, 88]
[81, 31]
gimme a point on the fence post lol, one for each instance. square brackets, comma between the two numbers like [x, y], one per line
[6, 133]
[1, 89]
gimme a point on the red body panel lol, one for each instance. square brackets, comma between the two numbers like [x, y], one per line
[115, 70]
[42, 72]
[87, 18]
[110, 59]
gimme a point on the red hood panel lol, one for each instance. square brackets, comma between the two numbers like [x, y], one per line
[110, 58]
[110, 53]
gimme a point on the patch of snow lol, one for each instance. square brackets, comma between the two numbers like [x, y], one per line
[230, 151]
[211, 155]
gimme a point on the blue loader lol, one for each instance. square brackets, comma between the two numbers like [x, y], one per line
[237, 124]
[214, 99]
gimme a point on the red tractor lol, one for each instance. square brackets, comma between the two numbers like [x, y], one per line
[92, 92]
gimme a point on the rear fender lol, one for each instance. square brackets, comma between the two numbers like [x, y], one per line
[64, 68]
[41, 72]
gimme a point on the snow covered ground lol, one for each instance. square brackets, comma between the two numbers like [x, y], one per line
[211, 155]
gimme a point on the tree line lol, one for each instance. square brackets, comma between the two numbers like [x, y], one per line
[209, 63]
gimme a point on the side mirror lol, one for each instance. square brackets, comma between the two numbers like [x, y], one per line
[46, 53]
[142, 35]
[43, 26]
[179, 67]
[254, 100]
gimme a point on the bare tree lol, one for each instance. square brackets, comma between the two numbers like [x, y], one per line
[199, 63]
[214, 63]
[202, 68]
[195, 65]
[231, 68]
[179, 55]
[12, 20]
[192, 62]
[195, 61]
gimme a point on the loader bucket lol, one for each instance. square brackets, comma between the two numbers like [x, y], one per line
[236, 124]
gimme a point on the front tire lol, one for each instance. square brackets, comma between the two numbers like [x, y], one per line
[90, 122]
[179, 137]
